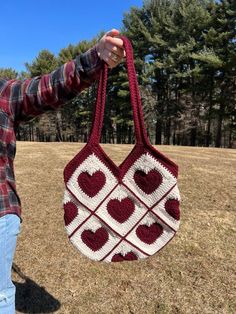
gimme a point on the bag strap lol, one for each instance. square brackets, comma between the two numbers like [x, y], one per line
[139, 125]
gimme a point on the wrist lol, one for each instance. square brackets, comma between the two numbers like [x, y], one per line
[97, 49]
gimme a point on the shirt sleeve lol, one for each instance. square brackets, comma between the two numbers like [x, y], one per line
[35, 96]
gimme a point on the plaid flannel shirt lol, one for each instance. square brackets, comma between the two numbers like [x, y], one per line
[23, 100]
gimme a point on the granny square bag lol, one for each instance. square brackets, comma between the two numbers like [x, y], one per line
[127, 212]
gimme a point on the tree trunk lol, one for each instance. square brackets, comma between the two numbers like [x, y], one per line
[208, 133]
[158, 131]
[58, 126]
[219, 125]
[168, 132]
[193, 136]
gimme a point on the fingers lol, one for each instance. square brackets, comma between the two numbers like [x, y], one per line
[110, 48]
[114, 49]
[111, 63]
[114, 41]
[111, 58]
[112, 53]
[113, 32]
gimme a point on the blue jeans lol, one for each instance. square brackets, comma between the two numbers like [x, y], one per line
[9, 230]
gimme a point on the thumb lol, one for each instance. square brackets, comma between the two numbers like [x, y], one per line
[114, 32]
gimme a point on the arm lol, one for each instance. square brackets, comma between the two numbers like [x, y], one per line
[35, 96]
[27, 99]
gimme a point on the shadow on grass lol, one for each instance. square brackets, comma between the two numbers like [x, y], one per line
[31, 298]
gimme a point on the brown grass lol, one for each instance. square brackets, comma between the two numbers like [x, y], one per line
[195, 273]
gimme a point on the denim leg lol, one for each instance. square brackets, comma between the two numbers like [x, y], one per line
[9, 230]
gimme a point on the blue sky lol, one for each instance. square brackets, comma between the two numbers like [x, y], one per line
[29, 26]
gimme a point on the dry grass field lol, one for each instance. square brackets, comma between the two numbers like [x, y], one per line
[195, 273]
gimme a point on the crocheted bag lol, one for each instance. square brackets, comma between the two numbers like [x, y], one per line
[127, 212]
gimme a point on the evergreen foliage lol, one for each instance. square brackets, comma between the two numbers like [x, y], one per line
[185, 57]
[8, 73]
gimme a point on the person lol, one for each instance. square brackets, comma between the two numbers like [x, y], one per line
[21, 101]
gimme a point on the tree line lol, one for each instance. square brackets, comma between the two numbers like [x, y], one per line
[185, 57]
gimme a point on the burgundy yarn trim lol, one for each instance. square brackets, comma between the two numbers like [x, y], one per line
[141, 147]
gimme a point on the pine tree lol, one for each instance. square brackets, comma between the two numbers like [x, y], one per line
[44, 63]
[217, 59]
[8, 73]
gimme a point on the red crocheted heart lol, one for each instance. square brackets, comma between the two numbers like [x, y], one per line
[95, 240]
[70, 212]
[91, 184]
[149, 234]
[172, 208]
[130, 256]
[148, 182]
[120, 210]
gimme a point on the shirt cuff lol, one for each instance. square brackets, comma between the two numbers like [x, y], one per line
[89, 63]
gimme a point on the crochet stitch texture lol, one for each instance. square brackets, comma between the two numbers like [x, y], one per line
[127, 212]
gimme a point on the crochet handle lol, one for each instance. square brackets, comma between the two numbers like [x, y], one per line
[140, 130]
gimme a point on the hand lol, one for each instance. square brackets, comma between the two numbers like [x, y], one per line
[111, 49]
